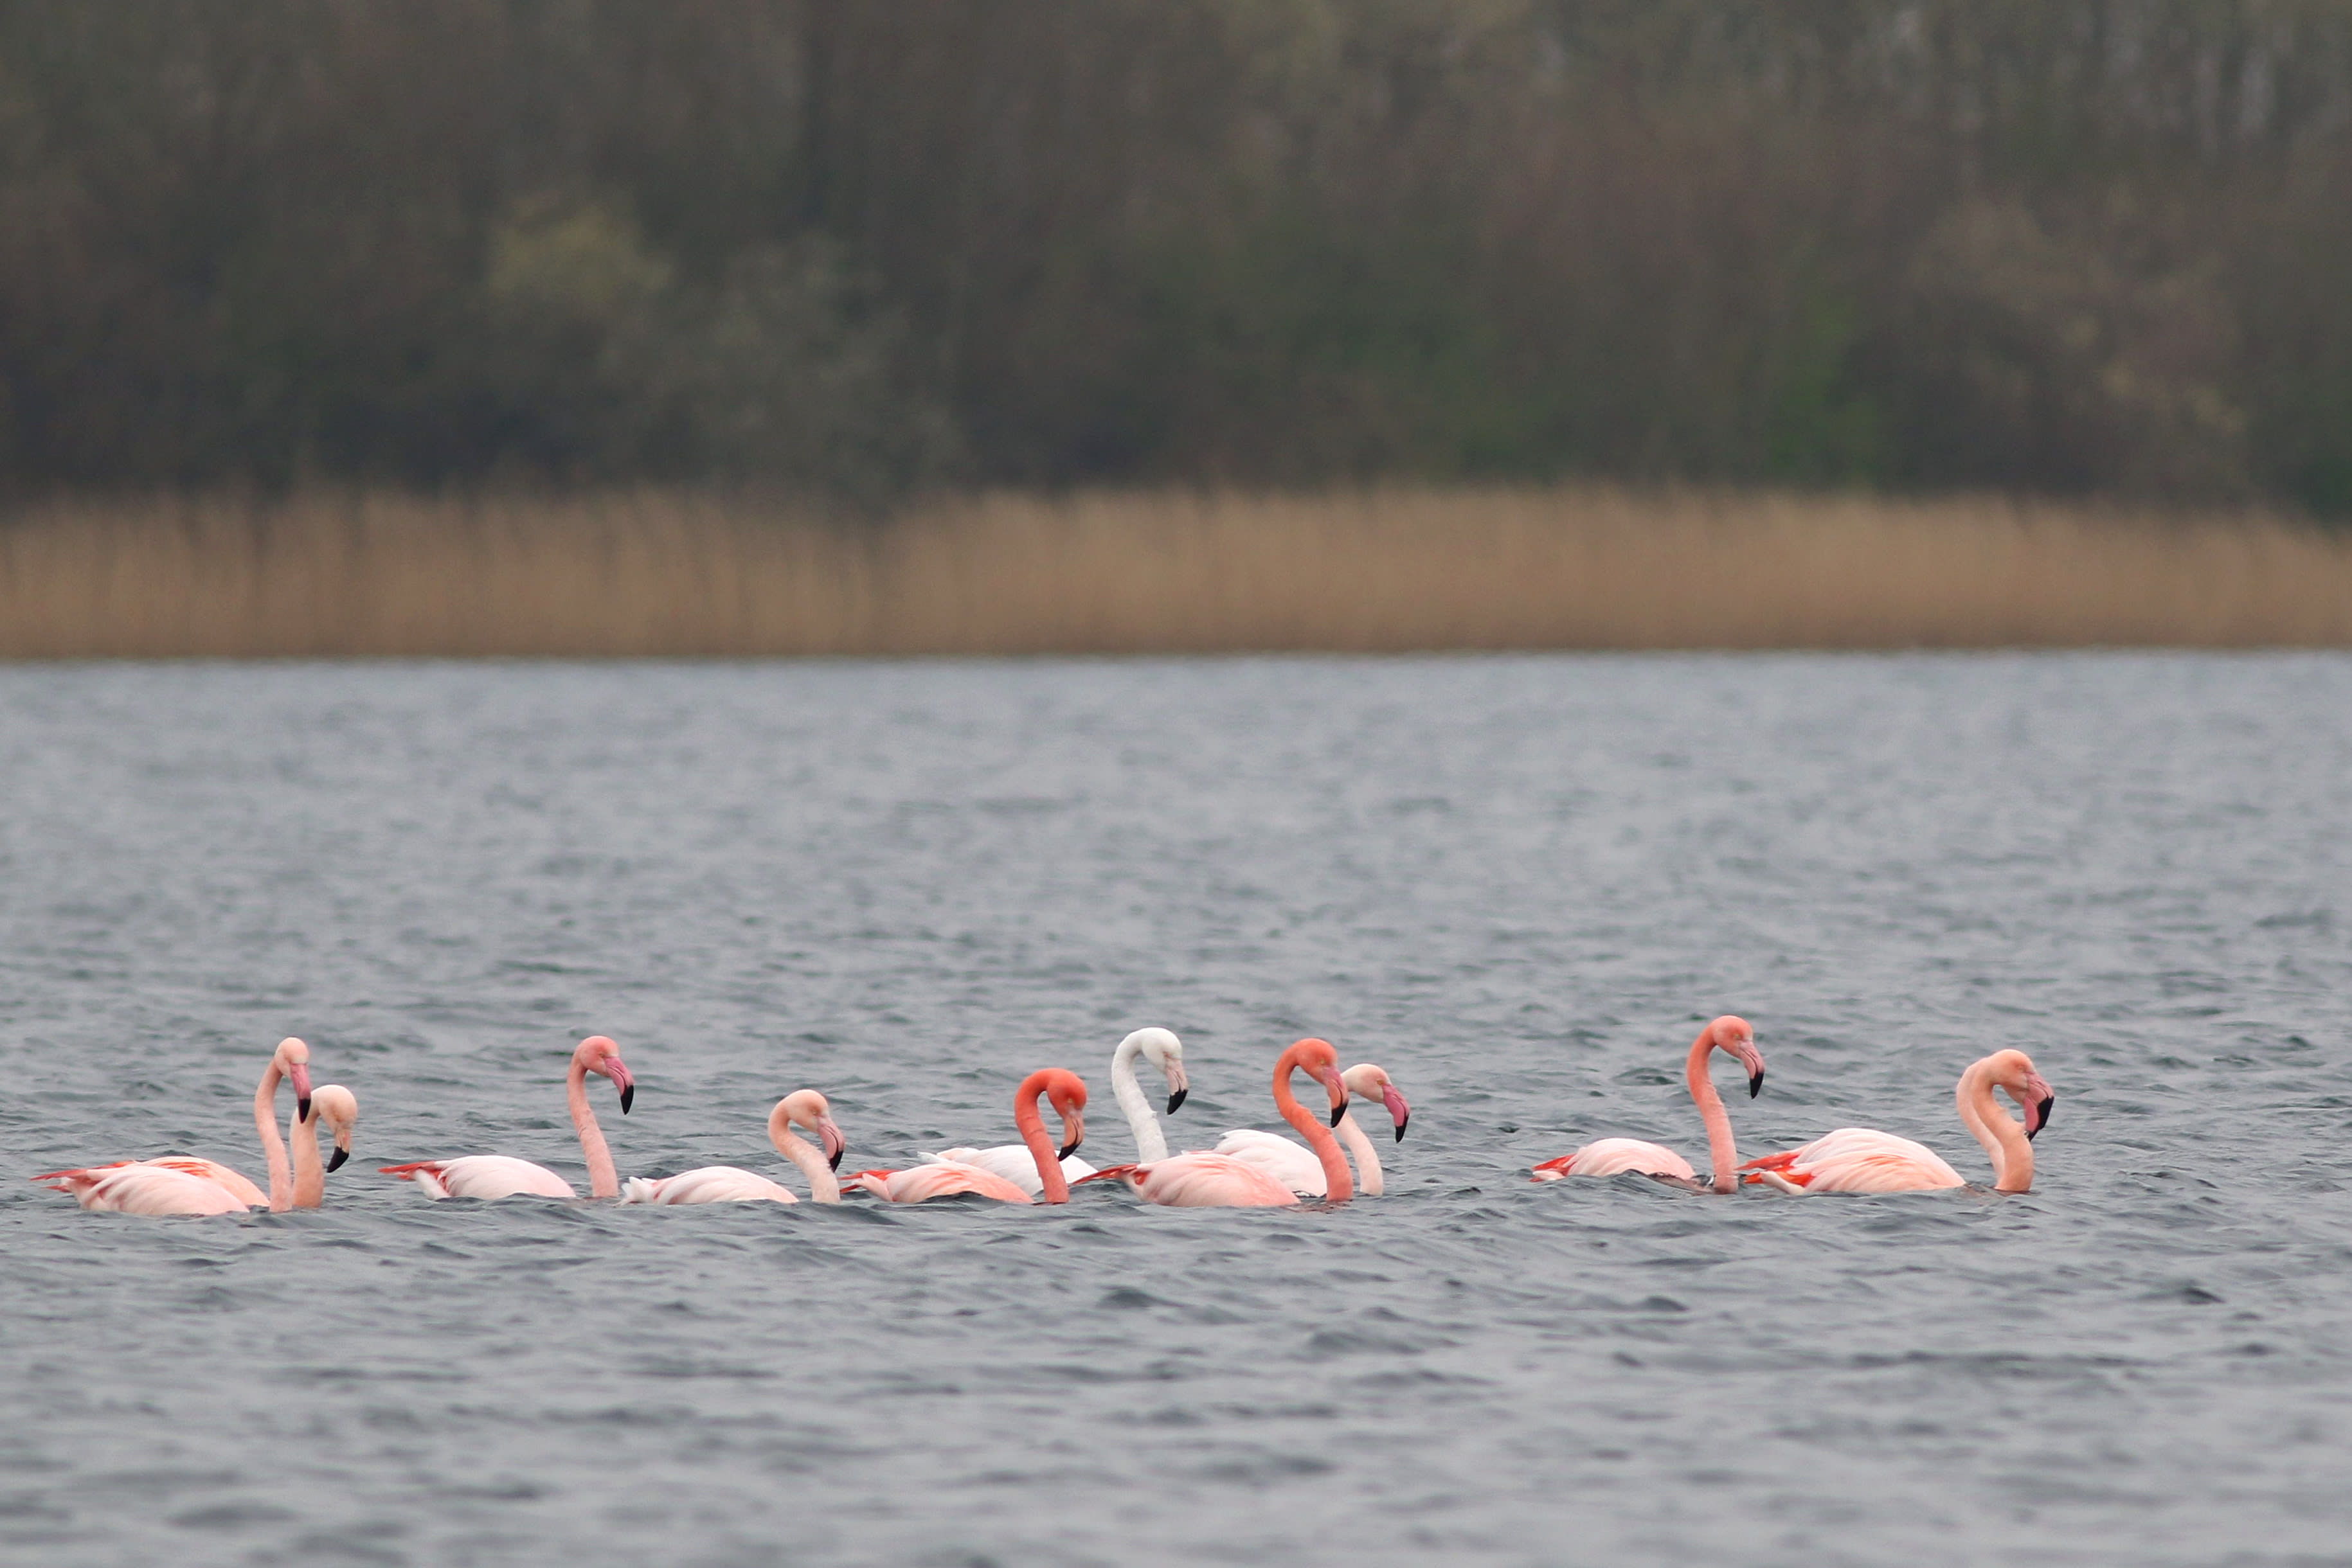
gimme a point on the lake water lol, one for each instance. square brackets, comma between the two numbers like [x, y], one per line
[1519, 884]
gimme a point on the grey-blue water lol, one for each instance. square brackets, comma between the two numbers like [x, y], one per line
[1517, 883]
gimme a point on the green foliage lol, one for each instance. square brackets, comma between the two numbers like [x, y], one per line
[2051, 244]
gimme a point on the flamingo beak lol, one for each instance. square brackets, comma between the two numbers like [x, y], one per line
[2038, 1116]
[835, 1146]
[623, 1080]
[1330, 1077]
[1753, 1060]
[299, 1075]
[335, 1161]
[1073, 1129]
[1399, 1111]
[1177, 1089]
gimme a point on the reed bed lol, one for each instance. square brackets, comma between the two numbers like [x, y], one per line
[692, 575]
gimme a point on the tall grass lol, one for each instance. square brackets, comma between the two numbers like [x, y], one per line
[355, 574]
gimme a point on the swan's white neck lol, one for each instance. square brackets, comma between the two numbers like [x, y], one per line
[1368, 1158]
[1142, 1120]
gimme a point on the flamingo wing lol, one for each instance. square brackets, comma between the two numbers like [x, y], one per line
[1013, 1163]
[219, 1174]
[1209, 1181]
[483, 1175]
[1287, 1161]
[950, 1178]
[706, 1183]
[1860, 1160]
[144, 1189]
[1617, 1156]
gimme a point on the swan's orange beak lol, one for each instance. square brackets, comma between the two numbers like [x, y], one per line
[299, 1075]
[835, 1146]
[1399, 1111]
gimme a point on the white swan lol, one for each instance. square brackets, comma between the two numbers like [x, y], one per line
[1161, 1048]
[1295, 1166]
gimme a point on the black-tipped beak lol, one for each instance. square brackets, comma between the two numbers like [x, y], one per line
[1400, 1128]
[302, 1108]
[628, 1097]
[1069, 1148]
[2042, 1115]
[834, 1164]
[1337, 1112]
[1176, 1099]
[335, 1161]
[1755, 1084]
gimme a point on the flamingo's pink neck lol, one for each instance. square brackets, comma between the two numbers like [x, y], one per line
[603, 1181]
[1338, 1186]
[1026, 1117]
[1366, 1154]
[823, 1185]
[1722, 1153]
[273, 1148]
[309, 1175]
[2004, 1141]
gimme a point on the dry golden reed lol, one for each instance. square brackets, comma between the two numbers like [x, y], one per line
[337, 574]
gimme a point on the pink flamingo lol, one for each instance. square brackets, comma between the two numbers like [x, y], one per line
[1212, 1180]
[339, 1109]
[950, 1178]
[182, 1184]
[730, 1184]
[1159, 1046]
[1618, 1156]
[1858, 1159]
[498, 1176]
[1296, 1166]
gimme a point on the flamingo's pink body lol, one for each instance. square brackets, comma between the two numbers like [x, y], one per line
[1860, 1160]
[500, 1175]
[950, 1178]
[1211, 1180]
[732, 1184]
[1622, 1156]
[182, 1183]
[1296, 1166]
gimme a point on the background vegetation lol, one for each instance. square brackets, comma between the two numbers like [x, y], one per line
[2061, 246]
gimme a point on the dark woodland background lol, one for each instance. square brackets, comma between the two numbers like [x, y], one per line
[2059, 246]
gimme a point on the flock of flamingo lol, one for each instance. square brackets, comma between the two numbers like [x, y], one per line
[1246, 1169]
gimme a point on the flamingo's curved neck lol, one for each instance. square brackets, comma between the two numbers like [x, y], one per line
[603, 1181]
[1721, 1152]
[1338, 1186]
[2004, 1141]
[1026, 1117]
[273, 1148]
[1365, 1153]
[823, 1187]
[309, 1175]
[1141, 1119]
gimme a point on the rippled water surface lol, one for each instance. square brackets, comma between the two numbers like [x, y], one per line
[1519, 885]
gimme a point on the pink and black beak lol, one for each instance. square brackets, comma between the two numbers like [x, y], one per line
[1399, 1111]
[2040, 1102]
[299, 1075]
[623, 1080]
[1753, 1060]
[1330, 1077]
[835, 1146]
[335, 1161]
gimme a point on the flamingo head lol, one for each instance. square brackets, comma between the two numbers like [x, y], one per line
[292, 1060]
[1736, 1038]
[2013, 1071]
[1067, 1092]
[807, 1109]
[1318, 1058]
[1161, 1048]
[1366, 1082]
[337, 1110]
[601, 1057]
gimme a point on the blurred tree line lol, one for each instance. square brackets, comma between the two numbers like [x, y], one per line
[2061, 245]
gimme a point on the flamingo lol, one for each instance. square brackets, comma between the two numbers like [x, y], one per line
[1858, 1159]
[163, 1185]
[1211, 1180]
[498, 1176]
[1616, 1156]
[730, 1184]
[339, 1108]
[1296, 1166]
[1157, 1045]
[949, 1178]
